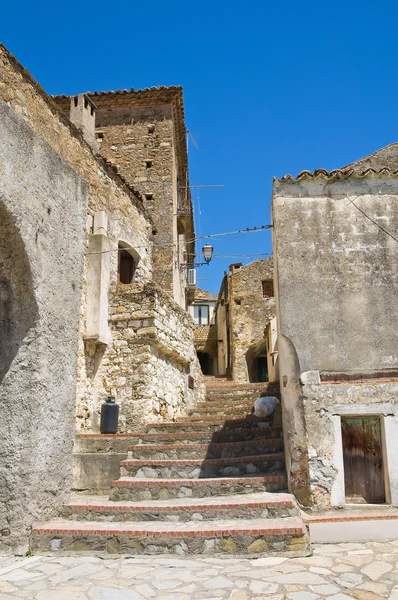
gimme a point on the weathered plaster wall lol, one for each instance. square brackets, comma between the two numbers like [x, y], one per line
[338, 272]
[41, 261]
[148, 359]
[336, 280]
[249, 315]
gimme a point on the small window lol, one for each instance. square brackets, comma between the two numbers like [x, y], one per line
[85, 103]
[75, 100]
[148, 196]
[100, 135]
[148, 164]
[126, 266]
[267, 288]
[201, 314]
[92, 111]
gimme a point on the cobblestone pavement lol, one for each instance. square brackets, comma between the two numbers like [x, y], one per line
[366, 571]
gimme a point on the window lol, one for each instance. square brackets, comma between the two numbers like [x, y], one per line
[268, 288]
[126, 266]
[201, 314]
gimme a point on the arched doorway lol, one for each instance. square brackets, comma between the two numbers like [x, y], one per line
[17, 303]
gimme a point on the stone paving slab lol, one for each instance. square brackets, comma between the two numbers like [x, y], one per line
[346, 571]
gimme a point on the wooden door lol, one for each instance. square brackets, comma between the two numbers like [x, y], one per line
[363, 460]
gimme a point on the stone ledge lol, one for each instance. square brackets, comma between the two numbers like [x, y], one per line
[138, 482]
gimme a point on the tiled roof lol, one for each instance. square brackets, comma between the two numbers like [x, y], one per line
[163, 88]
[337, 174]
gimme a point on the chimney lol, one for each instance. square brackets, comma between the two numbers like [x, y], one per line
[234, 267]
[82, 114]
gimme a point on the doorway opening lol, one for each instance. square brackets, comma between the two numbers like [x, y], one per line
[206, 363]
[257, 364]
[363, 460]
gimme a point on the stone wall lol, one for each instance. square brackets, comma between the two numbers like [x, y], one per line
[132, 147]
[336, 275]
[324, 404]
[249, 315]
[142, 133]
[148, 359]
[41, 262]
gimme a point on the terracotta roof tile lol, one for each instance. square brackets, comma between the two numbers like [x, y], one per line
[336, 174]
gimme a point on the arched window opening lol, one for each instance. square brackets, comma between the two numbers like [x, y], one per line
[127, 264]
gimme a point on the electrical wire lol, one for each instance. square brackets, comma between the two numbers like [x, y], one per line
[372, 220]
[202, 237]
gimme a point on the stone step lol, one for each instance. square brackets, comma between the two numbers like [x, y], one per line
[231, 396]
[221, 450]
[225, 405]
[193, 468]
[211, 425]
[228, 415]
[206, 435]
[287, 537]
[248, 390]
[248, 506]
[237, 387]
[137, 490]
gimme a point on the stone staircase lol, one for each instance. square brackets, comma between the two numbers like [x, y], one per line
[213, 482]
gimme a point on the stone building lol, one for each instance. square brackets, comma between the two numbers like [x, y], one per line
[81, 295]
[142, 133]
[244, 309]
[336, 274]
[148, 357]
[201, 309]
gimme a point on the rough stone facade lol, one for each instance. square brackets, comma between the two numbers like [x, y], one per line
[151, 356]
[41, 261]
[142, 133]
[337, 281]
[245, 307]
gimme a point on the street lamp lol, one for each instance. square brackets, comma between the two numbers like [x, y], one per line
[207, 253]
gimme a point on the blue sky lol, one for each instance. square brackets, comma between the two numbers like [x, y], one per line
[270, 87]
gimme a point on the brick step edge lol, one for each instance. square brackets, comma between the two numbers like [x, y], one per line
[290, 526]
[346, 518]
[201, 462]
[284, 501]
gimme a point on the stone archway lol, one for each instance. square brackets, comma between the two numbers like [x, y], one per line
[18, 308]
